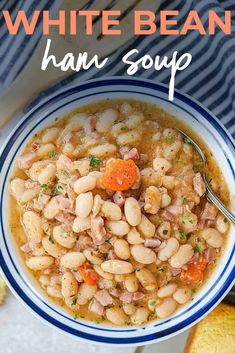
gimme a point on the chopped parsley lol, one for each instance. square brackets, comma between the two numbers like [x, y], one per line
[51, 240]
[94, 162]
[184, 201]
[74, 301]
[187, 141]
[151, 315]
[81, 316]
[118, 286]
[161, 269]
[182, 235]
[52, 154]
[197, 248]
[168, 139]
[97, 322]
[76, 317]
[165, 231]
[82, 137]
[44, 187]
[59, 187]
[54, 191]
[225, 220]
[66, 174]
[153, 303]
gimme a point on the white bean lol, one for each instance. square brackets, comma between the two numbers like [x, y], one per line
[172, 246]
[170, 152]
[50, 135]
[161, 165]
[188, 222]
[183, 255]
[36, 169]
[117, 267]
[17, 188]
[102, 273]
[85, 293]
[164, 230]
[150, 177]
[52, 248]
[133, 237]
[134, 121]
[64, 237]
[38, 263]
[130, 138]
[131, 283]
[44, 150]
[212, 237]
[121, 249]
[167, 290]
[129, 309]
[97, 204]
[106, 120]
[119, 228]
[147, 279]
[169, 182]
[152, 200]
[51, 209]
[182, 295]
[29, 194]
[83, 166]
[48, 174]
[54, 291]
[125, 108]
[103, 151]
[92, 256]
[84, 204]
[222, 223]
[84, 184]
[72, 260]
[116, 315]
[69, 285]
[132, 211]
[166, 309]
[140, 316]
[146, 228]
[33, 226]
[143, 255]
[165, 201]
[111, 211]
[81, 224]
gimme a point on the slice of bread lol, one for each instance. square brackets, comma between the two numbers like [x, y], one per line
[2, 290]
[215, 333]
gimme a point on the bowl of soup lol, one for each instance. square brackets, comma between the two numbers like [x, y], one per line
[106, 230]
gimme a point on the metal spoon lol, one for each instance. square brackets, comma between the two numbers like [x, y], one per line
[209, 192]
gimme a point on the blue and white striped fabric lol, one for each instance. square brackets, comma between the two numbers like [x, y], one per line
[210, 77]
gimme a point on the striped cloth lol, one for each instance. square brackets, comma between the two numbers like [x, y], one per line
[210, 78]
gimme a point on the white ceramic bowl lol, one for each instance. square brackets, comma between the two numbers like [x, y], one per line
[13, 268]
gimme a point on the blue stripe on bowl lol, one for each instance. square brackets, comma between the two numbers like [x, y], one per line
[10, 278]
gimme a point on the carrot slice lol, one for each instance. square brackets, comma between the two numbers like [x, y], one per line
[195, 271]
[88, 275]
[120, 175]
[70, 156]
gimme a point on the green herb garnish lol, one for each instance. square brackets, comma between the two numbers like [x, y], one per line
[161, 269]
[76, 317]
[165, 231]
[184, 201]
[182, 235]
[44, 187]
[52, 154]
[187, 141]
[118, 286]
[51, 240]
[94, 162]
[74, 301]
[168, 139]
[197, 248]
[151, 315]
[225, 220]
[54, 191]
[104, 256]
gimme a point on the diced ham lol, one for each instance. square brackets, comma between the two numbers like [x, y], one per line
[132, 154]
[98, 232]
[77, 276]
[175, 271]
[195, 258]
[64, 163]
[137, 183]
[152, 243]
[126, 297]
[199, 185]
[109, 192]
[67, 219]
[209, 212]
[27, 247]
[35, 146]
[115, 292]
[27, 160]
[119, 198]
[67, 137]
[89, 125]
[104, 297]
[168, 215]
[175, 209]
[210, 255]
[96, 307]
[72, 180]
[141, 200]
[65, 204]
[138, 296]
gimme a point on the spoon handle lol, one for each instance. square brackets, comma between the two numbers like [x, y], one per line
[218, 203]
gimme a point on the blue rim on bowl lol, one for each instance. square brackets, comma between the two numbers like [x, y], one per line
[98, 89]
